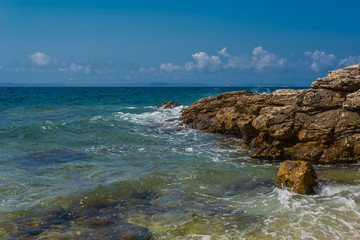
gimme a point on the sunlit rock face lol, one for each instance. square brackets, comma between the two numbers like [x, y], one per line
[299, 176]
[321, 124]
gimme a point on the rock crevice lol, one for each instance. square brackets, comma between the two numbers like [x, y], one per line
[321, 124]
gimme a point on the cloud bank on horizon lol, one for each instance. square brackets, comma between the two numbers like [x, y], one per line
[259, 60]
[202, 64]
[183, 43]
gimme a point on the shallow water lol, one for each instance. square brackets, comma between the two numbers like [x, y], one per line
[90, 163]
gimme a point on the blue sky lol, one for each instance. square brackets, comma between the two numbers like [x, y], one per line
[191, 43]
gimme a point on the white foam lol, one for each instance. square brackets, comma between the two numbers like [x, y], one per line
[48, 125]
[334, 213]
[159, 116]
[96, 118]
[331, 190]
[199, 236]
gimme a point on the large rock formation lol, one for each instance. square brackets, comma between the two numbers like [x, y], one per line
[321, 124]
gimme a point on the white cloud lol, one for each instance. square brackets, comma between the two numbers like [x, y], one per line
[169, 67]
[263, 59]
[259, 60]
[39, 58]
[202, 61]
[320, 60]
[145, 70]
[223, 52]
[87, 69]
[75, 68]
[240, 62]
[349, 61]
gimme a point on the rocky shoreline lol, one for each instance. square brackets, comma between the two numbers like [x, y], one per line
[320, 125]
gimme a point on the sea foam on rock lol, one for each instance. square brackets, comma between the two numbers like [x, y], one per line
[320, 125]
[169, 105]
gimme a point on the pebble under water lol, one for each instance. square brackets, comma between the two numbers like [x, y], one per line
[104, 163]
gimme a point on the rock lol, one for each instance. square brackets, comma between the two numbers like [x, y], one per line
[122, 230]
[316, 125]
[145, 195]
[168, 105]
[352, 101]
[299, 176]
[345, 80]
[282, 97]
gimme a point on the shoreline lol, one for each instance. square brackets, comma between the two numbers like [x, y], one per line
[318, 125]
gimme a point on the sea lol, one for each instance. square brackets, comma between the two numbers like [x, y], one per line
[105, 163]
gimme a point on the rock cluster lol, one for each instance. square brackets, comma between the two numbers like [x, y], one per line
[321, 124]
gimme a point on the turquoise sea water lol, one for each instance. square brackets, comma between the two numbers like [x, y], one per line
[103, 163]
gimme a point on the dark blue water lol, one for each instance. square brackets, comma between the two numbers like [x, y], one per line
[96, 163]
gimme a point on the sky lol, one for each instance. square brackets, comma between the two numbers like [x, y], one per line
[176, 43]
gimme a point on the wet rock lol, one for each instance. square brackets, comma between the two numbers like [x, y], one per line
[25, 227]
[122, 230]
[99, 221]
[33, 231]
[317, 125]
[246, 186]
[61, 217]
[145, 195]
[168, 105]
[93, 219]
[299, 176]
[55, 156]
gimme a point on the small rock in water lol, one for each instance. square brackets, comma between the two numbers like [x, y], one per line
[145, 195]
[299, 176]
[55, 156]
[169, 105]
[122, 230]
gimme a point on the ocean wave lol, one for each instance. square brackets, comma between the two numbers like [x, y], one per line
[329, 215]
[158, 116]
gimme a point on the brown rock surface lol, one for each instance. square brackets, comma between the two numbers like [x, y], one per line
[345, 80]
[168, 105]
[299, 176]
[321, 124]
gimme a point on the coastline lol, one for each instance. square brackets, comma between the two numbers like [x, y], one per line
[317, 125]
[93, 153]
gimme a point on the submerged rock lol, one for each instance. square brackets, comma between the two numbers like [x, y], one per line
[168, 105]
[145, 195]
[123, 230]
[316, 125]
[55, 156]
[299, 176]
